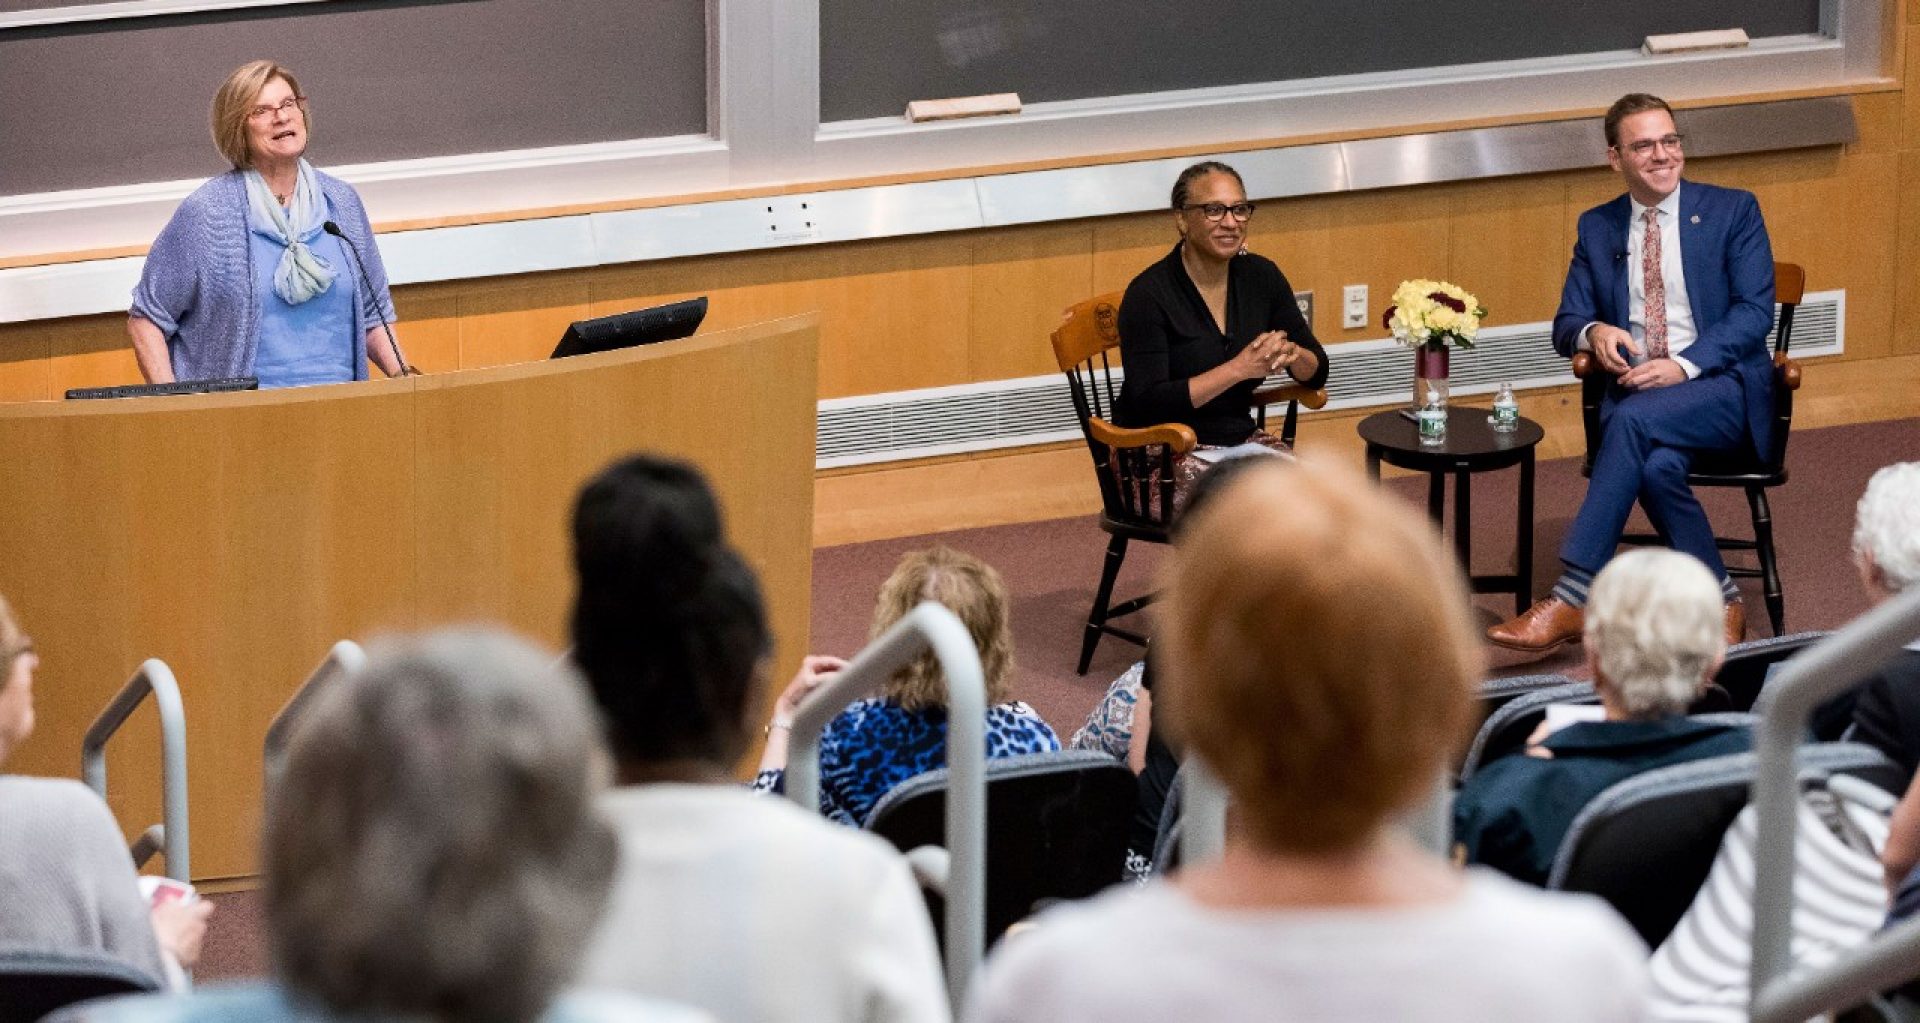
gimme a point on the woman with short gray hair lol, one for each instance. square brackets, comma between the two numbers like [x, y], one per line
[1654, 636]
[431, 851]
[1654, 632]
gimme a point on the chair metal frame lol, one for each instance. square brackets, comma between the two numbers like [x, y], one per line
[963, 868]
[342, 658]
[155, 678]
[1818, 673]
[1127, 460]
[1755, 473]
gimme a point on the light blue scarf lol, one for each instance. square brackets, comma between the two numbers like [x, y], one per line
[301, 274]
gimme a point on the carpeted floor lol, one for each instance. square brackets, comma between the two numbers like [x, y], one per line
[1051, 569]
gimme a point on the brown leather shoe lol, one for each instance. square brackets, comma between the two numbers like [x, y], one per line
[1546, 626]
[1736, 622]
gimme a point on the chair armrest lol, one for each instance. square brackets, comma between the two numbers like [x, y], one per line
[1177, 436]
[1276, 393]
[1788, 370]
[1584, 364]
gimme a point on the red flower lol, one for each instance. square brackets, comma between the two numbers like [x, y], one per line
[1449, 301]
[1386, 318]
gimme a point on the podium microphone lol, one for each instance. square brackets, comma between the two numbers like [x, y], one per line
[334, 229]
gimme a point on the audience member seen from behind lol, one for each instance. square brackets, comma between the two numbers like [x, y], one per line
[245, 280]
[67, 883]
[1886, 549]
[1203, 327]
[1654, 637]
[749, 907]
[1886, 711]
[1323, 730]
[431, 850]
[1122, 723]
[876, 744]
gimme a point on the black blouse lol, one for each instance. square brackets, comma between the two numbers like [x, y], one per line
[1167, 337]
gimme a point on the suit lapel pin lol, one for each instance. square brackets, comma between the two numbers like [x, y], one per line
[1696, 218]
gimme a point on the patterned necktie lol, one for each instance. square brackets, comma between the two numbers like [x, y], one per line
[1654, 283]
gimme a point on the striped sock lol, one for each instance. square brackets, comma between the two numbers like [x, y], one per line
[1729, 590]
[1572, 586]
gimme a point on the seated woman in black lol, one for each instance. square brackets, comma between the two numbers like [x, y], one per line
[1201, 329]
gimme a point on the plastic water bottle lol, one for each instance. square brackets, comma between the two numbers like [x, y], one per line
[1432, 418]
[1506, 411]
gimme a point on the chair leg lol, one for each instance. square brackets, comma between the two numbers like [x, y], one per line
[1097, 618]
[1769, 565]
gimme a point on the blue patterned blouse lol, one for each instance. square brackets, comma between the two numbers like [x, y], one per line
[874, 745]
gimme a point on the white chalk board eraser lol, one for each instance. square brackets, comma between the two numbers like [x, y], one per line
[963, 106]
[1690, 42]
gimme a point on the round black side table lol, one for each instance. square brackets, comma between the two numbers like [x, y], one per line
[1472, 445]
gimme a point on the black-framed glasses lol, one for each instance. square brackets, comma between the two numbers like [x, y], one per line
[1214, 211]
[1644, 148]
[285, 106]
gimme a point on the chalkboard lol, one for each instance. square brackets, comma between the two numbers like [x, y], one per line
[113, 102]
[878, 55]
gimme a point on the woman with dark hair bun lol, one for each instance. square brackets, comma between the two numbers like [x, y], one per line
[1201, 328]
[748, 907]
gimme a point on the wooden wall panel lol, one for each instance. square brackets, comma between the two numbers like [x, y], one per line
[520, 319]
[429, 327]
[26, 361]
[1509, 247]
[1869, 247]
[897, 308]
[745, 287]
[1906, 210]
[87, 353]
[1021, 279]
[1123, 246]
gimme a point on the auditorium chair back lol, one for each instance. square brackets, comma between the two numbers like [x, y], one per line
[36, 983]
[1646, 844]
[1056, 828]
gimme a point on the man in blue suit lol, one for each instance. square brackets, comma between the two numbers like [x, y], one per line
[1671, 289]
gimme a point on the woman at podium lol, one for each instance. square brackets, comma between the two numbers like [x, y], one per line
[269, 270]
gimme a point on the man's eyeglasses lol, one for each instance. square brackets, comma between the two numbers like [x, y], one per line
[1214, 211]
[1644, 148]
[285, 106]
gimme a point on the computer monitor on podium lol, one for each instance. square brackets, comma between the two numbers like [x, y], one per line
[640, 327]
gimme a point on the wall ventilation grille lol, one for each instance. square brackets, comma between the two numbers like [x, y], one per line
[1036, 410]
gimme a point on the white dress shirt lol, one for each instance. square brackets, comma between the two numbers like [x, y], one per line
[1680, 326]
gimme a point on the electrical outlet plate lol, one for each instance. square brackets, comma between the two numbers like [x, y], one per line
[1304, 299]
[1353, 310]
[791, 219]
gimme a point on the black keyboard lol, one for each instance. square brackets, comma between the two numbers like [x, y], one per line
[177, 387]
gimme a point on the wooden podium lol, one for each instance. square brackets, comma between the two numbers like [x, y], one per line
[237, 536]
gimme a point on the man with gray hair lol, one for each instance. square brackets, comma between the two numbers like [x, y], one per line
[1654, 636]
[1886, 550]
